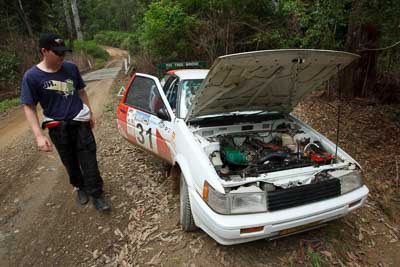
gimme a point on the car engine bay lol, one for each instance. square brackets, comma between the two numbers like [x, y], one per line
[280, 145]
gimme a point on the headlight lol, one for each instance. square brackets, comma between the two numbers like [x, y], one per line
[351, 181]
[235, 203]
[247, 202]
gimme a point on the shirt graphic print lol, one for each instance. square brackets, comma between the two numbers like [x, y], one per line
[66, 88]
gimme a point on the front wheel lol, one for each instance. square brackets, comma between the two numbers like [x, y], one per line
[186, 216]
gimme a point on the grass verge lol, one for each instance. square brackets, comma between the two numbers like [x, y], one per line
[315, 258]
[8, 103]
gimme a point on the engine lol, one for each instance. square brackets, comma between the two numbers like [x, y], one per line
[254, 153]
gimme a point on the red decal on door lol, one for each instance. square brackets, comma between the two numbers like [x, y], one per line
[121, 121]
[162, 147]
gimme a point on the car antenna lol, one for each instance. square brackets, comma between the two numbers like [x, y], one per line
[338, 110]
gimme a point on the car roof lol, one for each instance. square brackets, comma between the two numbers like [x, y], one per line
[189, 74]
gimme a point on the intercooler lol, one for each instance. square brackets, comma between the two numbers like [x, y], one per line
[300, 195]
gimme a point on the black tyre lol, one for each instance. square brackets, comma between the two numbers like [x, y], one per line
[186, 216]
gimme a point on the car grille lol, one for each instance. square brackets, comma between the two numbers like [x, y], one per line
[300, 195]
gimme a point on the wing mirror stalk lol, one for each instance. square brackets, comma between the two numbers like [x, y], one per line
[162, 113]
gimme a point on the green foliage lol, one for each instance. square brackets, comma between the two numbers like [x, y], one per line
[8, 103]
[112, 38]
[387, 22]
[314, 257]
[91, 48]
[316, 24]
[38, 14]
[165, 30]
[9, 66]
[131, 44]
[110, 15]
[382, 13]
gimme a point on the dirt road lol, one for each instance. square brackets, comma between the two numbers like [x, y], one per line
[41, 224]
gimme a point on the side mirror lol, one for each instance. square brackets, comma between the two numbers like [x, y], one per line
[162, 113]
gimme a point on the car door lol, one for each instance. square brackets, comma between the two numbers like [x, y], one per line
[144, 116]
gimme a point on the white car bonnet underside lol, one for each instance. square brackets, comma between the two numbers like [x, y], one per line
[271, 80]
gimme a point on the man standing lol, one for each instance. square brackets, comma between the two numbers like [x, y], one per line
[58, 86]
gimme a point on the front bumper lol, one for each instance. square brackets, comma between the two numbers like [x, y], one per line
[225, 229]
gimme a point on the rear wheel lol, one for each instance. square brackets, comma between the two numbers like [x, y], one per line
[186, 216]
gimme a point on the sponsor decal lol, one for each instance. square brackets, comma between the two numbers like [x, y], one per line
[154, 121]
[142, 117]
[130, 118]
[167, 130]
[173, 135]
[130, 121]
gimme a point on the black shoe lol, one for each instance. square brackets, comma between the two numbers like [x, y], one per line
[82, 196]
[101, 204]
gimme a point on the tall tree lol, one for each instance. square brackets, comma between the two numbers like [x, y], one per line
[227, 26]
[25, 19]
[68, 19]
[77, 21]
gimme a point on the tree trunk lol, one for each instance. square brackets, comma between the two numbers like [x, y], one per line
[361, 75]
[25, 19]
[77, 21]
[68, 19]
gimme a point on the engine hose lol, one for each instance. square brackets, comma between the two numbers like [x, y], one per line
[309, 144]
[277, 155]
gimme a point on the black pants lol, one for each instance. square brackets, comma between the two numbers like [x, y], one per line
[77, 149]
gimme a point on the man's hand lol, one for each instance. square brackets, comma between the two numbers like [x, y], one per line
[83, 95]
[44, 143]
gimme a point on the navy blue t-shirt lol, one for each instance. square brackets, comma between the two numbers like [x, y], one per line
[56, 92]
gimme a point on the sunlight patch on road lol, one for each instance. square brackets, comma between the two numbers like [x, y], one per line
[109, 73]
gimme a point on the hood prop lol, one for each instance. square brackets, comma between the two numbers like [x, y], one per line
[338, 111]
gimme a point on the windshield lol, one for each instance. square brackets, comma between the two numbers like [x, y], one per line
[188, 89]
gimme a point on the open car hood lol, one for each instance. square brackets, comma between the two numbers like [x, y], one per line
[270, 80]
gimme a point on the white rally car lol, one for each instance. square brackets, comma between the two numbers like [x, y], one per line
[248, 169]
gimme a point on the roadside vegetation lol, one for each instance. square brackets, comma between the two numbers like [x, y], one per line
[9, 73]
[8, 103]
[91, 49]
[114, 38]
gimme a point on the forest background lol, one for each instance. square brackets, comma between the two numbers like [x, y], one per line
[187, 30]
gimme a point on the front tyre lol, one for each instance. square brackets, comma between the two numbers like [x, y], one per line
[186, 216]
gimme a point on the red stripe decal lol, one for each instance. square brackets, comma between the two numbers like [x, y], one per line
[162, 147]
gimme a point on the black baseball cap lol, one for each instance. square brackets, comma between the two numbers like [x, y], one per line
[53, 42]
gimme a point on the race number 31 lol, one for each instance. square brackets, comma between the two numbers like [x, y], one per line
[142, 135]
